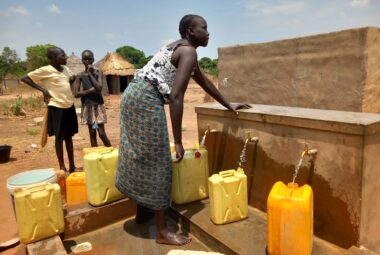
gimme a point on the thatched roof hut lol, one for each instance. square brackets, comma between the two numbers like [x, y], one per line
[119, 72]
[114, 64]
[99, 63]
[74, 63]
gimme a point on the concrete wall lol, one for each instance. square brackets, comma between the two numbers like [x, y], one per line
[370, 211]
[344, 174]
[338, 71]
[371, 95]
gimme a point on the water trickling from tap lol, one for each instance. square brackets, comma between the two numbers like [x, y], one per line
[242, 156]
[203, 140]
[298, 166]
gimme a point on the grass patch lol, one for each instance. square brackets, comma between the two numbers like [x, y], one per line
[5, 108]
[16, 108]
[34, 102]
[33, 130]
[19, 105]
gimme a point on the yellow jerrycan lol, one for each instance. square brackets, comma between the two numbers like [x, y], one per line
[189, 177]
[76, 192]
[100, 168]
[290, 219]
[39, 212]
[228, 196]
[92, 149]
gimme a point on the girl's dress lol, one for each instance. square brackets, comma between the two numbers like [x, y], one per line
[93, 111]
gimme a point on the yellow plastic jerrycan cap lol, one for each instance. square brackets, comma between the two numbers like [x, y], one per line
[76, 178]
[293, 185]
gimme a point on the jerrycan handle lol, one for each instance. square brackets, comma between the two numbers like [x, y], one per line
[105, 150]
[35, 187]
[227, 173]
[78, 174]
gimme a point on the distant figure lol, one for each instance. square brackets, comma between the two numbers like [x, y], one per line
[54, 81]
[145, 165]
[88, 87]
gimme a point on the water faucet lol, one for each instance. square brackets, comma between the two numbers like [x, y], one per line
[250, 139]
[308, 152]
[305, 150]
[209, 131]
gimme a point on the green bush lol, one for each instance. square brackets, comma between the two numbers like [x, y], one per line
[16, 108]
[34, 102]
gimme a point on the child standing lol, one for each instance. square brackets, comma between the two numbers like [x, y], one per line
[88, 87]
[54, 81]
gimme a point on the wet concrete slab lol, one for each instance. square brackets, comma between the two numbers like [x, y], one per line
[127, 237]
[83, 218]
[244, 237]
[52, 245]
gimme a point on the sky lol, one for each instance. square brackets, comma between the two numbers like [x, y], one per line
[103, 26]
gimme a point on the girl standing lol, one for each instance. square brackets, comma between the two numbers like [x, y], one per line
[54, 81]
[88, 87]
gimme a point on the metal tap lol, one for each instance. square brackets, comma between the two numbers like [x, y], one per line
[250, 139]
[308, 152]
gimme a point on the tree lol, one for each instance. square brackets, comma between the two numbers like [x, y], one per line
[36, 56]
[133, 56]
[10, 63]
[208, 65]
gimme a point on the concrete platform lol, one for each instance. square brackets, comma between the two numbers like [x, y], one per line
[245, 237]
[126, 237]
[83, 218]
[110, 229]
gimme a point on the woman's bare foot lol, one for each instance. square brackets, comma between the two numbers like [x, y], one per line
[167, 237]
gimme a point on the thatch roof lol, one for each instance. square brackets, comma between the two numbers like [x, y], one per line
[100, 62]
[114, 64]
[74, 63]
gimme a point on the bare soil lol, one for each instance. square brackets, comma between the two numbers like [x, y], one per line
[14, 131]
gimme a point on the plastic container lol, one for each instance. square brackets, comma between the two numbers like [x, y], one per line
[61, 181]
[32, 177]
[189, 177]
[76, 192]
[100, 168]
[172, 148]
[5, 152]
[92, 149]
[228, 196]
[290, 219]
[39, 212]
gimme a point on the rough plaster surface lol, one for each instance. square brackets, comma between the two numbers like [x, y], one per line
[371, 95]
[336, 71]
[343, 174]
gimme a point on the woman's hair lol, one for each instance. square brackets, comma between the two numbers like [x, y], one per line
[186, 22]
[52, 52]
[87, 51]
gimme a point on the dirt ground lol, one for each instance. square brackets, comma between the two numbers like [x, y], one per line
[13, 131]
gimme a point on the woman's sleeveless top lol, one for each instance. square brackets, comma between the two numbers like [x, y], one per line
[160, 72]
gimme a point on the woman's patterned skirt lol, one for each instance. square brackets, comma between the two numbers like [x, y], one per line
[145, 168]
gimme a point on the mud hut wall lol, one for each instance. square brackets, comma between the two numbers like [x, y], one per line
[326, 71]
[103, 80]
[344, 173]
[113, 82]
